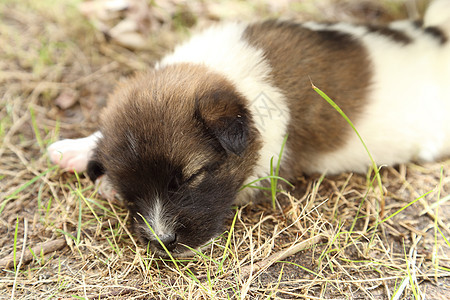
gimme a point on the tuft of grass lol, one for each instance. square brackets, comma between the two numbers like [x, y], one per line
[273, 177]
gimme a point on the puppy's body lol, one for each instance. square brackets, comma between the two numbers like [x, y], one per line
[179, 141]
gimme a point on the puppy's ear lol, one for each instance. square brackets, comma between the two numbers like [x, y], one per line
[224, 113]
[95, 168]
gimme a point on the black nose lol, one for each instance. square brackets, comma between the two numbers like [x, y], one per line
[169, 241]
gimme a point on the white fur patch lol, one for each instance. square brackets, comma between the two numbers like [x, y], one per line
[73, 154]
[438, 15]
[223, 49]
[161, 223]
[408, 106]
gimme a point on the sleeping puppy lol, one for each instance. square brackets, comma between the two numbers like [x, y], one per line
[179, 141]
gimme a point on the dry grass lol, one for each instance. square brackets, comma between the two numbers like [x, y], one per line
[59, 239]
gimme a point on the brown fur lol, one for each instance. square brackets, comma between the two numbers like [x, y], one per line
[163, 106]
[178, 134]
[332, 61]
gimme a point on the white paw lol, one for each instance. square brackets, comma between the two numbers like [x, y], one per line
[73, 154]
[105, 189]
[70, 155]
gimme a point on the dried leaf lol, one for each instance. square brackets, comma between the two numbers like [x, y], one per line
[66, 99]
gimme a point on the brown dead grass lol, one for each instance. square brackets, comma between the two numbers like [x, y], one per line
[328, 233]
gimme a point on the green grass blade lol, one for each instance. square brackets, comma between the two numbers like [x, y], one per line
[444, 237]
[228, 243]
[15, 244]
[347, 119]
[161, 243]
[403, 208]
[36, 129]
[265, 178]
[23, 187]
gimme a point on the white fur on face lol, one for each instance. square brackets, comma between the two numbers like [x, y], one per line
[73, 154]
[161, 223]
[408, 104]
[223, 49]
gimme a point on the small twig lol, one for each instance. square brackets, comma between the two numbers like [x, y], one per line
[27, 255]
[267, 262]
[95, 75]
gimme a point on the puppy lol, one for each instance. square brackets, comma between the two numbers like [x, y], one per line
[179, 141]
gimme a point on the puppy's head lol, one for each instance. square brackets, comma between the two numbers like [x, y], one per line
[177, 145]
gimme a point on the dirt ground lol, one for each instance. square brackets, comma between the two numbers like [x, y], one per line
[328, 238]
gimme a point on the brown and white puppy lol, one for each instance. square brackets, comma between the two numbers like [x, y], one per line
[179, 141]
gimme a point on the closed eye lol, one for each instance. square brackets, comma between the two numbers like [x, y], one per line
[195, 176]
[176, 182]
[202, 172]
